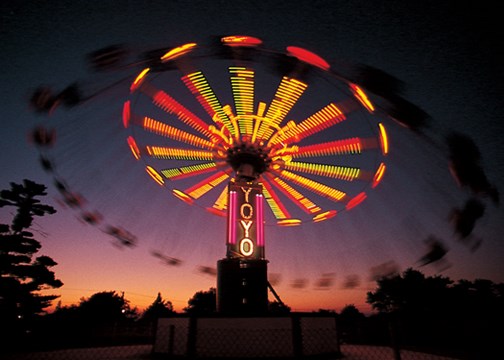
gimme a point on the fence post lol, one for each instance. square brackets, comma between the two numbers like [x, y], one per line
[297, 336]
[392, 320]
[191, 337]
[171, 340]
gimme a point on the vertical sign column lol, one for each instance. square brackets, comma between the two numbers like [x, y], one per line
[245, 221]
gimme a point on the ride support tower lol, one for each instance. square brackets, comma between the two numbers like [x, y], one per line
[242, 276]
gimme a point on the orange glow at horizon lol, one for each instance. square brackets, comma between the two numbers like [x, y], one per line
[142, 294]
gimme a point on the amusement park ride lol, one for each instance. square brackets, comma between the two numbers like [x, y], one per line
[258, 136]
[252, 147]
[232, 125]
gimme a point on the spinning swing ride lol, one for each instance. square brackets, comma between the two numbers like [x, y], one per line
[231, 125]
[269, 148]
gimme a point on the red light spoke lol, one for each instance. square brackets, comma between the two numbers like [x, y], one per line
[160, 128]
[206, 185]
[172, 106]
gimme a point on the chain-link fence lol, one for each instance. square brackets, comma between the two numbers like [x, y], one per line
[296, 336]
[142, 352]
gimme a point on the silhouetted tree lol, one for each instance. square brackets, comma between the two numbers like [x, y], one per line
[202, 303]
[21, 276]
[106, 307]
[350, 324]
[103, 318]
[435, 312]
[278, 308]
[158, 309]
[409, 290]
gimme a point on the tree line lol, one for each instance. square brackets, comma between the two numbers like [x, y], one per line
[463, 318]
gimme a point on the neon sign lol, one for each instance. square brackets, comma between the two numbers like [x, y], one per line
[245, 221]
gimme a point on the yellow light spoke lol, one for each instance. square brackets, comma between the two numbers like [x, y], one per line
[279, 211]
[332, 171]
[222, 201]
[287, 94]
[242, 83]
[314, 186]
[206, 185]
[160, 128]
[198, 85]
[246, 124]
[186, 171]
[321, 120]
[164, 101]
[162, 152]
[297, 198]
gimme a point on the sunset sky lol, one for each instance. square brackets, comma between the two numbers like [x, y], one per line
[449, 57]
